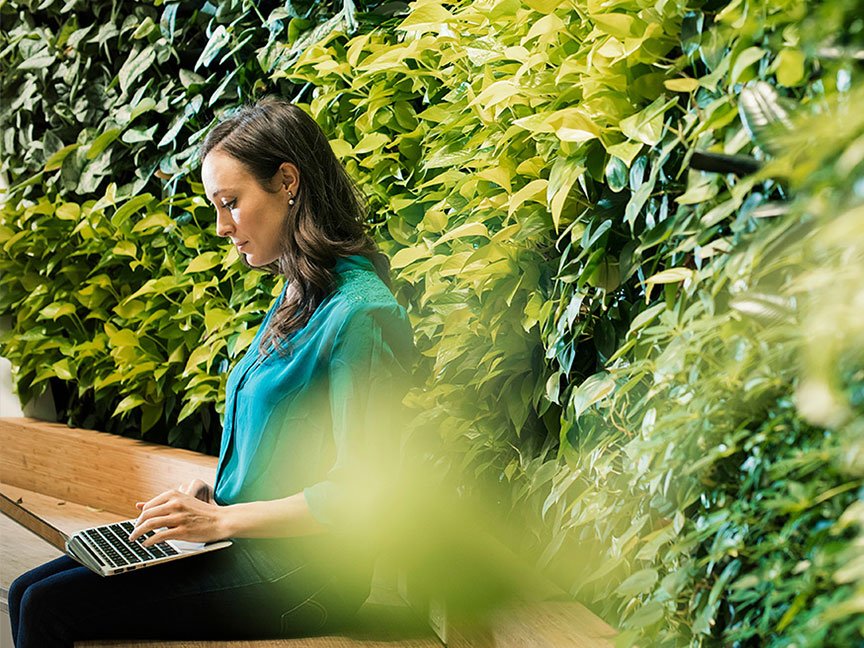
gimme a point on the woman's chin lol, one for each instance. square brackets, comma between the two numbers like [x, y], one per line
[255, 261]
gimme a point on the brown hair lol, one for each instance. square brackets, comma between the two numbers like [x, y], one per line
[328, 219]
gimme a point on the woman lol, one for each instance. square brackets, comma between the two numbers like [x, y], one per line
[311, 419]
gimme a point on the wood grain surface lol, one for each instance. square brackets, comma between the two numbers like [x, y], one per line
[96, 469]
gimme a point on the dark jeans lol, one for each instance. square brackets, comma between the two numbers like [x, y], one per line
[233, 593]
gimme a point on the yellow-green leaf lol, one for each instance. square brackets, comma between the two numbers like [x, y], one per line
[68, 211]
[53, 311]
[244, 340]
[574, 135]
[466, 229]
[101, 143]
[373, 142]
[129, 403]
[790, 67]
[56, 160]
[409, 255]
[203, 262]
[156, 219]
[534, 190]
[122, 337]
[429, 16]
[745, 59]
[63, 370]
[681, 85]
[672, 275]
[125, 248]
[619, 25]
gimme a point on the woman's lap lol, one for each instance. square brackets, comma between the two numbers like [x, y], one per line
[224, 594]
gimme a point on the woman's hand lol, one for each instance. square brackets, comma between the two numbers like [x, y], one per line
[184, 516]
[198, 489]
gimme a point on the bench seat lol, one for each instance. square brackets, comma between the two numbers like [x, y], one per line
[78, 478]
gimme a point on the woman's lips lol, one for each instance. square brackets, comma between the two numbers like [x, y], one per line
[240, 245]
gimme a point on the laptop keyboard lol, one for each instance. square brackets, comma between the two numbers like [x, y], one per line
[111, 541]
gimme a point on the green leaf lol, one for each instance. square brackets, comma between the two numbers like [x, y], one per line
[135, 135]
[373, 142]
[682, 85]
[645, 616]
[68, 211]
[62, 370]
[121, 337]
[204, 262]
[130, 207]
[647, 316]
[216, 318]
[640, 582]
[101, 143]
[763, 115]
[426, 17]
[672, 275]
[125, 248]
[156, 219]
[466, 229]
[129, 403]
[168, 21]
[147, 25]
[56, 310]
[136, 65]
[594, 389]
[646, 126]
[619, 25]
[616, 174]
[409, 255]
[218, 40]
[56, 160]
[542, 6]
[744, 60]
[244, 340]
[534, 191]
[789, 67]
[146, 104]
[150, 415]
[38, 62]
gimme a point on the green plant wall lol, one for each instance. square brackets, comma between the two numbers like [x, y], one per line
[628, 312]
[118, 293]
[654, 370]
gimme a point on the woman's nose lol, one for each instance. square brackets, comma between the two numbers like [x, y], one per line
[224, 226]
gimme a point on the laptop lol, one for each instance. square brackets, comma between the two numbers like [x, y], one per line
[105, 549]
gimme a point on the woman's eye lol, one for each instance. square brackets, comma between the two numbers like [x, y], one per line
[230, 205]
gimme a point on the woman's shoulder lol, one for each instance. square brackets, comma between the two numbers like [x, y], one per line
[362, 302]
[359, 286]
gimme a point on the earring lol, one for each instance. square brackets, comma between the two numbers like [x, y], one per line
[290, 198]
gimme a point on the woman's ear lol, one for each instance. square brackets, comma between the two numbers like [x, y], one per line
[288, 178]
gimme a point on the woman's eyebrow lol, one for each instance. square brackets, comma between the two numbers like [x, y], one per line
[218, 191]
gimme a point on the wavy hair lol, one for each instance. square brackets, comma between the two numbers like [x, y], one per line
[328, 219]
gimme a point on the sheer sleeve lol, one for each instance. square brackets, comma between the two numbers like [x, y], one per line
[369, 374]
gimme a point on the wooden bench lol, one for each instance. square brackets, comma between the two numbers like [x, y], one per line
[77, 478]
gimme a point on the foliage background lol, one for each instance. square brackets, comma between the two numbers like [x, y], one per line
[655, 370]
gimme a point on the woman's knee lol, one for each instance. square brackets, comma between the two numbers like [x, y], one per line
[16, 591]
[47, 613]
[21, 584]
[39, 603]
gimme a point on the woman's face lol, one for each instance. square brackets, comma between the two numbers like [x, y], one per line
[247, 213]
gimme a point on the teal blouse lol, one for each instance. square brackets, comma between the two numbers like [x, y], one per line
[315, 420]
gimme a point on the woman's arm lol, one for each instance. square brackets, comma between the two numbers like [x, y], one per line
[274, 518]
[186, 517]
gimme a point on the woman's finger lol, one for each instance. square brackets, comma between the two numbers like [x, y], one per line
[166, 521]
[161, 536]
[153, 519]
[160, 499]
